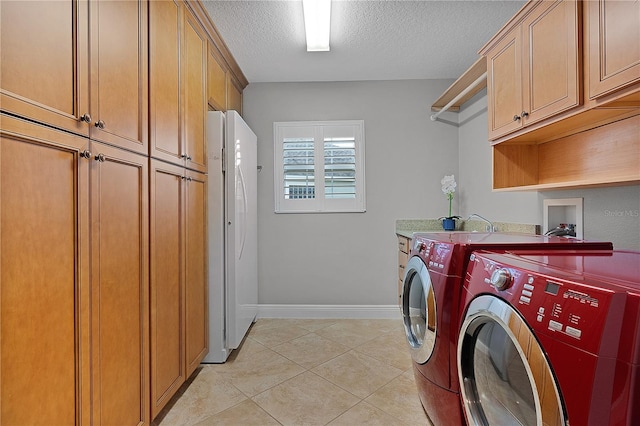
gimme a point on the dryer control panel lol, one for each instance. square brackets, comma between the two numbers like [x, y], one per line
[580, 314]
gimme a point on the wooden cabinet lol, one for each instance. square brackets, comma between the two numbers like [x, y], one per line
[533, 67]
[119, 286]
[216, 79]
[196, 293]
[44, 64]
[579, 126]
[612, 45]
[44, 276]
[63, 54]
[178, 278]
[74, 279]
[194, 69]
[234, 95]
[165, 87]
[404, 244]
[119, 83]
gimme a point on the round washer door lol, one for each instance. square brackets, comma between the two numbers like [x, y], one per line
[419, 310]
[505, 378]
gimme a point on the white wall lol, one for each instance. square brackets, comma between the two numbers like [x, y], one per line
[610, 213]
[350, 259]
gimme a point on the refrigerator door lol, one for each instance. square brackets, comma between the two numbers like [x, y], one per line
[218, 349]
[242, 228]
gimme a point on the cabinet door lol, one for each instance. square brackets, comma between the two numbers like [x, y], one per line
[613, 43]
[216, 80]
[234, 95]
[119, 81]
[550, 70]
[119, 286]
[504, 85]
[44, 297]
[44, 68]
[165, 27]
[195, 94]
[167, 290]
[196, 294]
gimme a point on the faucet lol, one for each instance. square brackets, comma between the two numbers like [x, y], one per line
[490, 227]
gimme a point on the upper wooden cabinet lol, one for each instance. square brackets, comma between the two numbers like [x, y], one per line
[44, 64]
[165, 86]
[119, 83]
[533, 66]
[234, 95]
[47, 49]
[216, 80]
[612, 45]
[194, 69]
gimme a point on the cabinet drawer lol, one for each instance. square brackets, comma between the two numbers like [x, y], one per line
[403, 244]
[402, 264]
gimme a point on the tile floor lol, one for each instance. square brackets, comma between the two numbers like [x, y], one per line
[305, 372]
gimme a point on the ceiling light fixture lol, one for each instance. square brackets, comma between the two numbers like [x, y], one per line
[317, 24]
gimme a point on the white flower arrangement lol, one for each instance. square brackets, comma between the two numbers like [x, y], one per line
[449, 187]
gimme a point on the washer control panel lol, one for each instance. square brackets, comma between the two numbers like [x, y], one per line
[570, 311]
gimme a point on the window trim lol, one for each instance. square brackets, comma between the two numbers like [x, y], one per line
[319, 204]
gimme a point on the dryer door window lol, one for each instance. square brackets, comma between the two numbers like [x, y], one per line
[504, 376]
[419, 310]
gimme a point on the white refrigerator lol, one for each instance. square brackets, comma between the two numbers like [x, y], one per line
[232, 226]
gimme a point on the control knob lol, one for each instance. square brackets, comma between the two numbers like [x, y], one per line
[501, 279]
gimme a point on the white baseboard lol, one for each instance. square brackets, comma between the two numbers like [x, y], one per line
[330, 311]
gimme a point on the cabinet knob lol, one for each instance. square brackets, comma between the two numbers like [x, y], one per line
[188, 158]
[85, 154]
[189, 179]
[183, 156]
[524, 114]
[101, 158]
[100, 124]
[516, 117]
[86, 117]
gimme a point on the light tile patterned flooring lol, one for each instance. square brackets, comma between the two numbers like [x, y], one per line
[306, 372]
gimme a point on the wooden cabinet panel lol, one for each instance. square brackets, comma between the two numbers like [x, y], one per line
[119, 83]
[533, 68]
[196, 294]
[613, 45]
[167, 290]
[165, 30]
[44, 47]
[504, 85]
[551, 61]
[234, 95]
[216, 80]
[120, 260]
[43, 276]
[195, 94]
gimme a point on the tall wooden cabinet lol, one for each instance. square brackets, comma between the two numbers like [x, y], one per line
[44, 276]
[534, 68]
[119, 286]
[103, 111]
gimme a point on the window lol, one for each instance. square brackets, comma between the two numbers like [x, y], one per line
[319, 166]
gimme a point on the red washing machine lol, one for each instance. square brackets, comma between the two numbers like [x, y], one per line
[551, 338]
[430, 307]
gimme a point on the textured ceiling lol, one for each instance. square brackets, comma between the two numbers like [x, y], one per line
[370, 40]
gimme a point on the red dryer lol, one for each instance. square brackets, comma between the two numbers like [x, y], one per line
[430, 307]
[551, 338]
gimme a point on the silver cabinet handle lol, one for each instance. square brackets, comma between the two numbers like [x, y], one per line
[86, 154]
[188, 158]
[101, 158]
[189, 179]
[100, 124]
[516, 117]
[524, 114]
[183, 156]
[86, 117]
